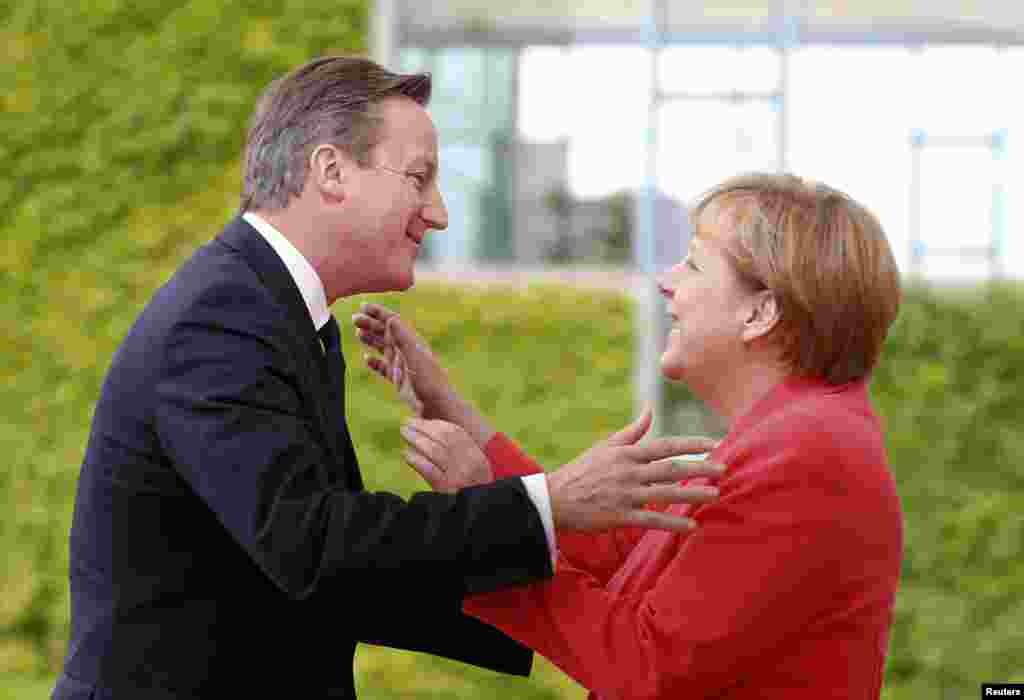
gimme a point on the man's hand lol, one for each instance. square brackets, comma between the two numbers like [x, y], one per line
[444, 455]
[609, 484]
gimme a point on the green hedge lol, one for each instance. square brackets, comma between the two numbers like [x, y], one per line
[120, 128]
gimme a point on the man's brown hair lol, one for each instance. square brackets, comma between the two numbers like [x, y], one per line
[329, 100]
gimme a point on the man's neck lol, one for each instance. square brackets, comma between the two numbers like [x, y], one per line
[307, 229]
[294, 228]
[309, 282]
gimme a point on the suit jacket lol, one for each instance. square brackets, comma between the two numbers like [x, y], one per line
[222, 537]
[785, 590]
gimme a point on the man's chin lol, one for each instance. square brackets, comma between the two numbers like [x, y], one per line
[396, 283]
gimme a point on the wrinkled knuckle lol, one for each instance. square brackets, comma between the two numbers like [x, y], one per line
[640, 518]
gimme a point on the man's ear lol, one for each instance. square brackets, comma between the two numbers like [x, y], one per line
[762, 315]
[328, 168]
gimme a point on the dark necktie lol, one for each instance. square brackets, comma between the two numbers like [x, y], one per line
[330, 336]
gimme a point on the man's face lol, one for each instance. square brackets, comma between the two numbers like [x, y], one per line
[395, 200]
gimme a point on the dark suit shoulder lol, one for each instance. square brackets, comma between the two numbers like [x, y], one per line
[215, 275]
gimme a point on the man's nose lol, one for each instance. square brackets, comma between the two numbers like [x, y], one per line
[435, 214]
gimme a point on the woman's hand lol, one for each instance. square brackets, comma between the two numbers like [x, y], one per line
[405, 360]
[445, 455]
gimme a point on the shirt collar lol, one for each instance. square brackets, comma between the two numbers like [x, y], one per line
[311, 287]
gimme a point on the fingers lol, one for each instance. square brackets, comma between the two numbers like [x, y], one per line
[371, 324]
[400, 334]
[659, 521]
[663, 448]
[425, 468]
[671, 494]
[634, 431]
[378, 365]
[371, 341]
[390, 366]
[406, 391]
[397, 362]
[671, 471]
[378, 326]
[674, 470]
[369, 331]
[416, 433]
[393, 358]
[376, 312]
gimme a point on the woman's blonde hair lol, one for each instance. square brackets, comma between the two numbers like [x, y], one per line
[825, 258]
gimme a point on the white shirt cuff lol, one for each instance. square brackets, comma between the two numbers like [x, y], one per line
[537, 489]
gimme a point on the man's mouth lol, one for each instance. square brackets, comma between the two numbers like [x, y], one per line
[418, 240]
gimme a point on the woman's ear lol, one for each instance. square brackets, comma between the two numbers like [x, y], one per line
[762, 315]
[327, 170]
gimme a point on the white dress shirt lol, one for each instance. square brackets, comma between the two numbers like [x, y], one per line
[312, 289]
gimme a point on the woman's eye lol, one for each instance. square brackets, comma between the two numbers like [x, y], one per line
[689, 264]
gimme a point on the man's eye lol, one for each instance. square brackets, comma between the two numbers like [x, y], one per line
[420, 179]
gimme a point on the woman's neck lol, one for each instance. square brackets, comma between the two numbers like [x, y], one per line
[733, 395]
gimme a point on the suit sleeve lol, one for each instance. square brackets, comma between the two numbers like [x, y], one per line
[414, 622]
[742, 583]
[600, 554]
[232, 419]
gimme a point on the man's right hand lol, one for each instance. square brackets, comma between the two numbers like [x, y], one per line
[609, 484]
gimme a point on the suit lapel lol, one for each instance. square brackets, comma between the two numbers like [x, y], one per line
[242, 237]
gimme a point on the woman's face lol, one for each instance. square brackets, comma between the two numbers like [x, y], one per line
[709, 306]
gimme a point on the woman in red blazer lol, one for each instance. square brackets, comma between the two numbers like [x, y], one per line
[784, 588]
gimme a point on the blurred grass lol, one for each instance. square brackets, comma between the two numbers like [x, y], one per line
[22, 688]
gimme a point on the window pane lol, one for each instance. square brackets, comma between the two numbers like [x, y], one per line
[704, 142]
[709, 69]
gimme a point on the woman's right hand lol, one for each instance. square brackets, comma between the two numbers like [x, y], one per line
[405, 360]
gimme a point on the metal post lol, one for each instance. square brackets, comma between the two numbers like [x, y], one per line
[383, 30]
[997, 142]
[917, 142]
[650, 316]
[788, 37]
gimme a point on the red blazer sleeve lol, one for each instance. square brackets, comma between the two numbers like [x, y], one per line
[600, 554]
[747, 579]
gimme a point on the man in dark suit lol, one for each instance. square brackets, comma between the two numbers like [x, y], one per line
[222, 539]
